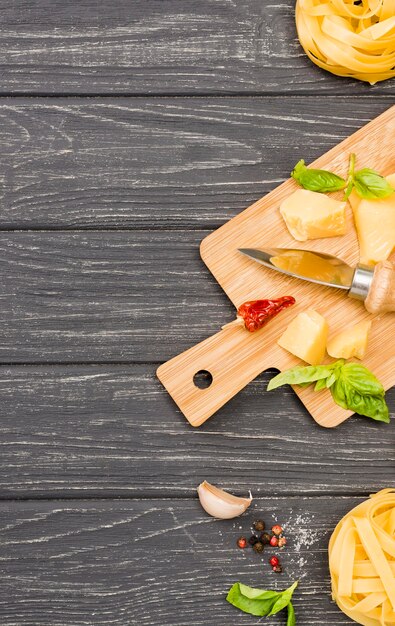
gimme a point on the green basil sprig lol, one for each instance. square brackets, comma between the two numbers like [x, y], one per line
[262, 603]
[317, 180]
[352, 386]
[368, 183]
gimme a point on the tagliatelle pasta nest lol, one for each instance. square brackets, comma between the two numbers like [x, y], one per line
[354, 38]
[362, 561]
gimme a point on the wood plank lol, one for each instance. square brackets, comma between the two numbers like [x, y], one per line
[106, 431]
[152, 562]
[158, 163]
[211, 46]
[105, 296]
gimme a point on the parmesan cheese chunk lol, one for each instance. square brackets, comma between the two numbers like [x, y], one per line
[375, 223]
[306, 337]
[312, 215]
[351, 341]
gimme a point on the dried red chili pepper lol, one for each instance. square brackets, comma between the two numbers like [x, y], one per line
[258, 312]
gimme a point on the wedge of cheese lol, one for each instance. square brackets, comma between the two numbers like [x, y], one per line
[350, 342]
[375, 224]
[306, 337]
[312, 215]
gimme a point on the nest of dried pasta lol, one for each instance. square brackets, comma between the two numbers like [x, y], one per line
[354, 38]
[362, 561]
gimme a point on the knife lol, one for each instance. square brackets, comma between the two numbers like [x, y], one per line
[374, 285]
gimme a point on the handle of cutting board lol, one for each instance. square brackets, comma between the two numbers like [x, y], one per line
[381, 296]
[233, 357]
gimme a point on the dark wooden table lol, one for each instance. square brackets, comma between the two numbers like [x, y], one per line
[129, 130]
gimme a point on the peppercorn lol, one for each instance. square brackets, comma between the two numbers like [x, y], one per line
[265, 538]
[282, 542]
[258, 546]
[242, 542]
[274, 561]
[259, 525]
[277, 530]
[278, 569]
[273, 541]
[253, 540]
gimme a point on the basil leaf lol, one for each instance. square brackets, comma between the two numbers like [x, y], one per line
[298, 170]
[328, 382]
[332, 378]
[283, 600]
[371, 185]
[249, 605]
[358, 390]
[320, 384]
[376, 408]
[300, 375]
[257, 594]
[291, 620]
[361, 379]
[259, 601]
[317, 180]
[373, 406]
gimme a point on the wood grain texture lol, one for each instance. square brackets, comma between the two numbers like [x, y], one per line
[233, 356]
[211, 46]
[97, 430]
[158, 162]
[91, 563]
[105, 296]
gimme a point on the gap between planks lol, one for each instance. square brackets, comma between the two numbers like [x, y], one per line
[182, 498]
[197, 94]
[207, 227]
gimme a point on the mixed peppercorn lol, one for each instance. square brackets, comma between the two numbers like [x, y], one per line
[275, 539]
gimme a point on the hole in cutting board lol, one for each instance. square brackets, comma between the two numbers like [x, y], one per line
[202, 379]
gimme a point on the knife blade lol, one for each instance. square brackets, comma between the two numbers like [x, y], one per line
[314, 267]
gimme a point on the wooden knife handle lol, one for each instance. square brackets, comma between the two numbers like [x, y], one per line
[381, 296]
[233, 358]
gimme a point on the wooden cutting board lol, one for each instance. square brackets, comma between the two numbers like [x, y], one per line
[234, 356]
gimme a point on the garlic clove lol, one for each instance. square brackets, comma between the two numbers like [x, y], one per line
[219, 503]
